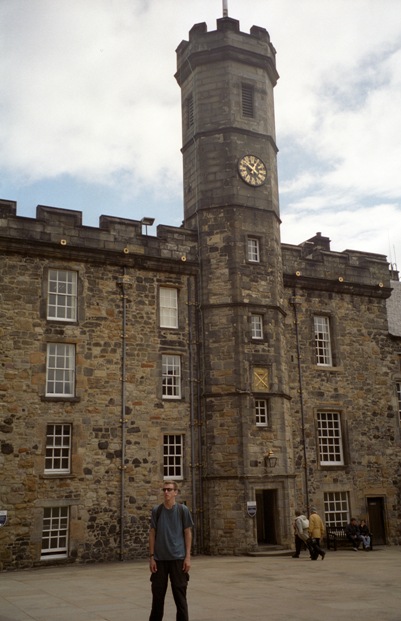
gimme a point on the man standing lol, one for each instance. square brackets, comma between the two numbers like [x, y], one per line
[170, 539]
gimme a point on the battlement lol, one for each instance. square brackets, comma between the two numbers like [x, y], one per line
[315, 265]
[63, 228]
[227, 42]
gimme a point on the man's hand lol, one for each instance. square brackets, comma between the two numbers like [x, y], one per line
[152, 565]
[186, 566]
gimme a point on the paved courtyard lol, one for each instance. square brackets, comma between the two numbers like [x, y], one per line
[346, 586]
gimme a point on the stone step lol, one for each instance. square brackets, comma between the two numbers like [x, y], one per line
[271, 550]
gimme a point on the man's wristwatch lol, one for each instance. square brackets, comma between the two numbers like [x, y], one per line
[151, 555]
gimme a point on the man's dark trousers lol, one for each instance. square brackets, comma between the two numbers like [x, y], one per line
[179, 582]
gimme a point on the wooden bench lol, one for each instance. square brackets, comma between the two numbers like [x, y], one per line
[336, 536]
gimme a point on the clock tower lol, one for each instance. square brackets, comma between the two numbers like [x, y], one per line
[231, 199]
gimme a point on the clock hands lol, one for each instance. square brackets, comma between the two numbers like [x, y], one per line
[252, 170]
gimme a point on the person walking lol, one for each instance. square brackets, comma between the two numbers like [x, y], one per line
[316, 531]
[301, 532]
[170, 540]
[302, 535]
[316, 526]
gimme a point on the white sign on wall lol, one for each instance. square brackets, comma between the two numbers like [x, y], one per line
[251, 508]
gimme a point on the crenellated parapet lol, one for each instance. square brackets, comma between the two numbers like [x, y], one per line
[313, 265]
[60, 231]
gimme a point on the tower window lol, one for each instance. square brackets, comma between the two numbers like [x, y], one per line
[247, 101]
[190, 111]
[257, 326]
[261, 413]
[253, 250]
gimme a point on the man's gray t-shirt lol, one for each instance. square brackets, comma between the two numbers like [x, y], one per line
[170, 544]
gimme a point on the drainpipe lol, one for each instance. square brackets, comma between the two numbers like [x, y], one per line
[192, 340]
[122, 282]
[295, 301]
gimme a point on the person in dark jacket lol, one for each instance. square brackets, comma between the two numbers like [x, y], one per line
[353, 534]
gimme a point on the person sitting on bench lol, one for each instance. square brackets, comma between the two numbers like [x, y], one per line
[353, 534]
[365, 534]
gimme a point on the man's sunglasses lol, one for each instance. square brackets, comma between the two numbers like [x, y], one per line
[168, 489]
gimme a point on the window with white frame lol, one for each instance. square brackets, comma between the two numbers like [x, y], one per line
[58, 448]
[398, 389]
[60, 370]
[55, 532]
[330, 439]
[261, 413]
[253, 250]
[173, 455]
[257, 326]
[171, 377]
[168, 298]
[323, 341]
[336, 508]
[62, 295]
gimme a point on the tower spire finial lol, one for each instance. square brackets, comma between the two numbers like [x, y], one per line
[225, 8]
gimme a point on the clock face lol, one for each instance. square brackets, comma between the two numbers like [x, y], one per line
[252, 170]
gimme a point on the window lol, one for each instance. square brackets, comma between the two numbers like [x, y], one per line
[336, 508]
[330, 440]
[322, 341]
[253, 249]
[257, 326]
[173, 451]
[58, 448]
[55, 532]
[60, 371]
[171, 377]
[247, 100]
[62, 295]
[168, 307]
[398, 388]
[190, 111]
[261, 413]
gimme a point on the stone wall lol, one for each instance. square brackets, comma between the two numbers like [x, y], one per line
[101, 459]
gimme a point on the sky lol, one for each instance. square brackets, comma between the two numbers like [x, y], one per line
[90, 111]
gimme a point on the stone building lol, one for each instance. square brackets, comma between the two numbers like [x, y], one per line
[261, 376]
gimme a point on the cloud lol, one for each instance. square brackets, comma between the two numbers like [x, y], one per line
[88, 95]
